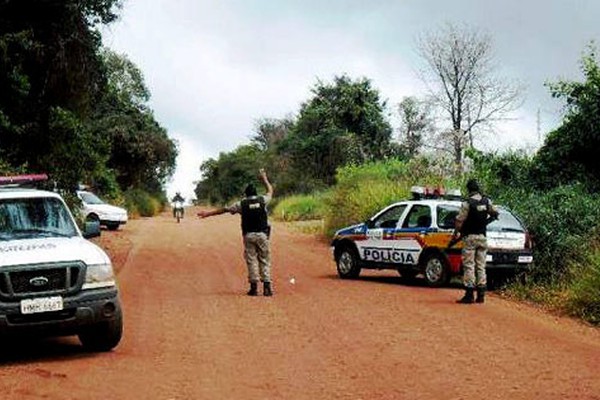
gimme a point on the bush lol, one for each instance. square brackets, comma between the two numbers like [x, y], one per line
[562, 223]
[300, 208]
[584, 292]
[363, 190]
[139, 202]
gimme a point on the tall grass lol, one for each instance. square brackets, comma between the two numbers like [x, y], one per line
[141, 203]
[301, 207]
[362, 190]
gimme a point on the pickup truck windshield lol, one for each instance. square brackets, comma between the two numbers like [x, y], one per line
[31, 218]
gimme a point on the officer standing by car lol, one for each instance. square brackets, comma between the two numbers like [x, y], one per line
[256, 231]
[471, 225]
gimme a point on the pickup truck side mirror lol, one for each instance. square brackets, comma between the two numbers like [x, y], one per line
[91, 228]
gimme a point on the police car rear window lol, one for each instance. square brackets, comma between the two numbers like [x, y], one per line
[506, 222]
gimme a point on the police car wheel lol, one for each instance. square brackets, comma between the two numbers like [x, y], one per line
[347, 264]
[435, 271]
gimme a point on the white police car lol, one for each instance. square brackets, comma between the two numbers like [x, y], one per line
[53, 282]
[412, 237]
[96, 209]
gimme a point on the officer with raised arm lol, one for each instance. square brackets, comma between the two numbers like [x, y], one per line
[256, 231]
[471, 225]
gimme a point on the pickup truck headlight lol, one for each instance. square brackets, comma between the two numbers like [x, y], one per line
[99, 276]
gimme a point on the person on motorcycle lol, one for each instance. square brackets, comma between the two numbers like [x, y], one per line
[177, 201]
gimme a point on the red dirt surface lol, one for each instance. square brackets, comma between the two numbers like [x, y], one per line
[192, 333]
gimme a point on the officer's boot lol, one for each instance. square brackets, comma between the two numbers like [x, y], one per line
[480, 294]
[253, 289]
[267, 289]
[468, 297]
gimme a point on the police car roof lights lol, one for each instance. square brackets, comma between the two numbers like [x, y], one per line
[28, 179]
[426, 192]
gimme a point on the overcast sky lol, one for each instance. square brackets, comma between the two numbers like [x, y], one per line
[214, 67]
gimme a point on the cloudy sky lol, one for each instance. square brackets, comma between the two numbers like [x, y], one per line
[214, 67]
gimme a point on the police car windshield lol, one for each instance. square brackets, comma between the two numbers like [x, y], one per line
[506, 222]
[34, 218]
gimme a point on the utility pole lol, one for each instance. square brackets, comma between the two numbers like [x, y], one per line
[539, 127]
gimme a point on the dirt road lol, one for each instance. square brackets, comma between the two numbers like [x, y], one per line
[191, 333]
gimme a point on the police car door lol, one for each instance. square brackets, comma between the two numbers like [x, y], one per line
[413, 230]
[380, 244]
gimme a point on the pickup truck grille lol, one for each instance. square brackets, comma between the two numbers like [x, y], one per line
[47, 279]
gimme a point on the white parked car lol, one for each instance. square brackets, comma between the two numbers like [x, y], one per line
[96, 209]
[53, 282]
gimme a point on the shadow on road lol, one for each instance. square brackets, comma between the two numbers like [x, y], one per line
[395, 280]
[26, 350]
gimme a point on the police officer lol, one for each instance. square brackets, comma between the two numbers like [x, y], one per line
[471, 225]
[255, 230]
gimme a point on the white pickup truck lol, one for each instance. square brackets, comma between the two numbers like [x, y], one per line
[53, 282]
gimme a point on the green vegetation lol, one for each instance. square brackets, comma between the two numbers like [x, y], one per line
[362, 190]
[73, 109]
[301, 208]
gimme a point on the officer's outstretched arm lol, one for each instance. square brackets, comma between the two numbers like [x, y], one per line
[268, 186]
[206, 214]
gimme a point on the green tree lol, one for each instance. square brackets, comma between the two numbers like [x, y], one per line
[342, 123]
[50, 78]
[225, 178]
[569, 153]
[140, 153]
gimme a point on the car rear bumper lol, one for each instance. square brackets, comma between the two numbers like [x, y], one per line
[111, 221]
[490, 266]
[86, 308]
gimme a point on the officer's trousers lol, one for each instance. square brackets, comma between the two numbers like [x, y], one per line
[257, 253]
[474, 254]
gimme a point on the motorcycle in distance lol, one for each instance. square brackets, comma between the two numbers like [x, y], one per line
[178, 210]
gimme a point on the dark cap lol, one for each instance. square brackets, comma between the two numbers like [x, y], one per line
[472, 186]
[250, 190]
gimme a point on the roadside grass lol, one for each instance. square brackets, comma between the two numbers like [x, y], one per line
[577, 295]
[301, 208]
[311, 227]
[584, 292]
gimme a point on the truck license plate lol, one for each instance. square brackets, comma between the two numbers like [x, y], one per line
[41, 304]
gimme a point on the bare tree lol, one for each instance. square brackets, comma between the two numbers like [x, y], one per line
[460, 74]
[416, 123]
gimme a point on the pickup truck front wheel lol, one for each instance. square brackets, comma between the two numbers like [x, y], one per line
[103, 336]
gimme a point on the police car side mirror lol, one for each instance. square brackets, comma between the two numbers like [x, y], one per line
[369, 223]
